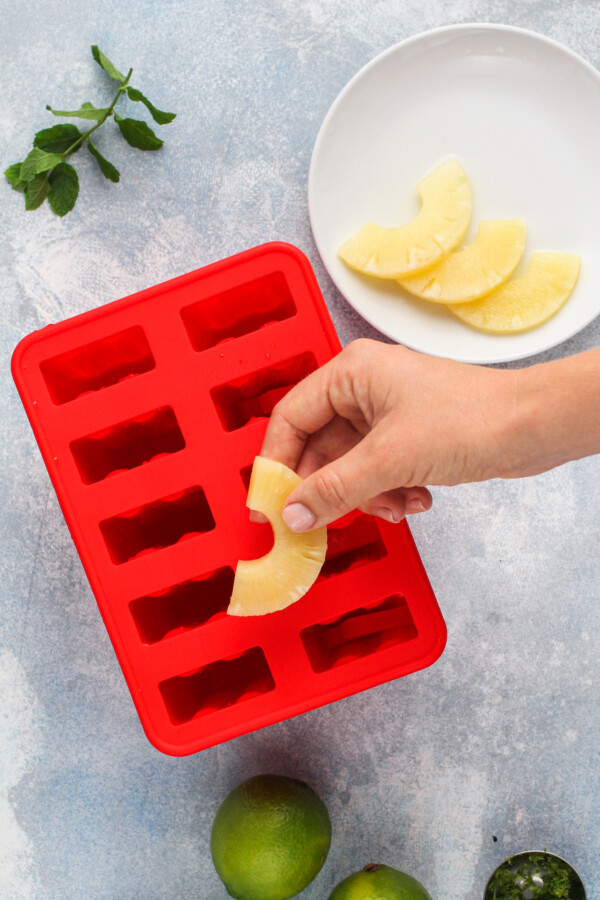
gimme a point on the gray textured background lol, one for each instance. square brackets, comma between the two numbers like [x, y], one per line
[500, 737]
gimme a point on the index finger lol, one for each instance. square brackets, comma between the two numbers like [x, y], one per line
[304, 410]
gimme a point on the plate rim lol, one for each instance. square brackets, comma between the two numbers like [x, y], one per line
[348, 86]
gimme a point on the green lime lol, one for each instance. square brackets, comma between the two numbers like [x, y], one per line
[270, 838]
[379, 883]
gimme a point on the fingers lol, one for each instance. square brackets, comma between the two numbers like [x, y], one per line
[341, 486]
[321, 430]
[394, 505]
[302, 412]
[316, 400]
[335, 439]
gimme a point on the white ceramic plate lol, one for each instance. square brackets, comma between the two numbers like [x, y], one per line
[522, 115]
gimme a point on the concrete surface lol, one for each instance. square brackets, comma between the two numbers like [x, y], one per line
[492, 750]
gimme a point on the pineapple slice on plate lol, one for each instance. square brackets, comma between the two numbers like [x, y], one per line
[478, 269]
[525, 301]
[292, 565]
[439, 227]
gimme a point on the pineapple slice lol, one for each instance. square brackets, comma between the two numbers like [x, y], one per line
[439, 227]
[292, 565]
[526, 301]
[478, 269]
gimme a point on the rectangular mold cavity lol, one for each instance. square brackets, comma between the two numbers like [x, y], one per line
[182, 607]
[358, 634]
[238, 311]
[217, 686]
[157, 525]
[127, 445]
[253, 396]
[351, 546]
[97, 365]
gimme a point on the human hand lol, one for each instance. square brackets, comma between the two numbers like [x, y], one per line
[378, 422]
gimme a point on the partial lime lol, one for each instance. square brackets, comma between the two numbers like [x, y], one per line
[376, 882]
[270, 838]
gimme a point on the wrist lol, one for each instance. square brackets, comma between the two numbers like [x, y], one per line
[542, 428]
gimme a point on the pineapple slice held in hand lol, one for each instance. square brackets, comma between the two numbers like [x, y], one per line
[471, 273]
[438, 228]
[291, 567]
[526, 301]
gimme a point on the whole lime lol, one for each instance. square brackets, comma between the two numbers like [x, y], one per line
[376, 882]
[270, 838]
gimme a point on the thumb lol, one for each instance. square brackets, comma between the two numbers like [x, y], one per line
[340, 487]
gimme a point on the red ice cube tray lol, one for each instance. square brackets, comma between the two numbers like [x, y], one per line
[149, 412]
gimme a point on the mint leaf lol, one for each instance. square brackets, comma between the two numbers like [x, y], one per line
[87, 111]
[58, 138]
[64, 188]
[162, 118]
[138, 134]
[13, 173]
[44, 173]
[36, 191]
[106, 63]
[106, 167]
[38, 161]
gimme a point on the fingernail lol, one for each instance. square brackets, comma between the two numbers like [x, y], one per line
[384, 513]
[415, 506]
[298, 517]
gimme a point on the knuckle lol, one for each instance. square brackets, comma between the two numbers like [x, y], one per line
[361, 348]
[279, 410]
[331, 489]
[280, 416]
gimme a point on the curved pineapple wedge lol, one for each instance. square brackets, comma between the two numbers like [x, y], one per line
[439, 227]
[292, 565]
[526, 301]
[478, 269]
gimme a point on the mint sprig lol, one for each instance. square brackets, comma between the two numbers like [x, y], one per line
[45, 173]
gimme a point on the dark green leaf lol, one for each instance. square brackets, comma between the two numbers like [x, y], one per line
[162, 118]
[106, 63]
[13, 173]
[36, 191]
[138, 134]
[38, 161]
[87, 111]
[58, 138]
[106, 167]
[64, 188]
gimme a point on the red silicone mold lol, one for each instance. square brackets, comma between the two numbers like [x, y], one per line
[149, 412]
